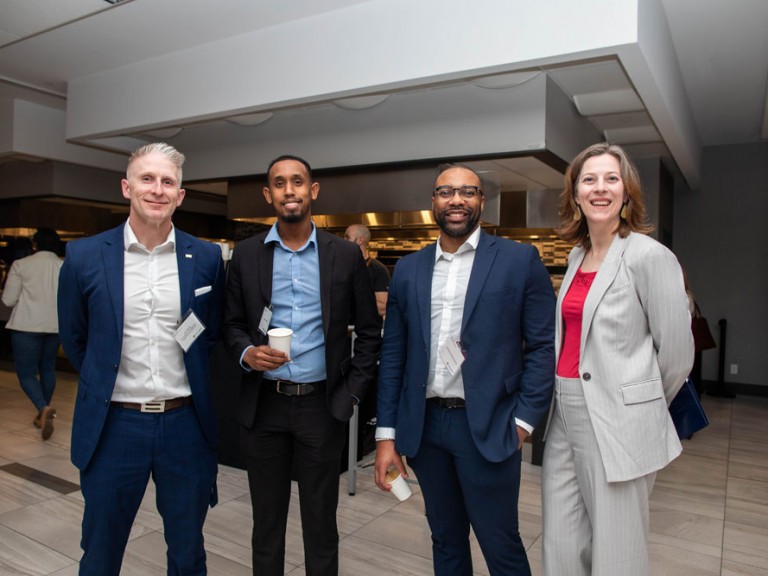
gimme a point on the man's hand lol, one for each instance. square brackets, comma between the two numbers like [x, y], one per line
[522, 434]
[386, 458]
[263, 358]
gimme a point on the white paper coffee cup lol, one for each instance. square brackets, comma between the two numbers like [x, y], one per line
[399, 485]
[280, 339]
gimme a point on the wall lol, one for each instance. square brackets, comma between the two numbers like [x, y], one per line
[658, 191]
[719, 239]
[648, 168]
[542, 208]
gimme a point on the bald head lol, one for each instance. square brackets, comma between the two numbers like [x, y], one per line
[358, 233]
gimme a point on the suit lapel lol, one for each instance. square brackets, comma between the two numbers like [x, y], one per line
[113, 257]
[326, 257]
[603, 280]
[186, 257]
[424, 271]
[265, 256]
[484, 257]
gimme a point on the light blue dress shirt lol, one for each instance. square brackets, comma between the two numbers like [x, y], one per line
[296, 305]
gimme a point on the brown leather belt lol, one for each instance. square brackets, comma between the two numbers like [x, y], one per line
[288, 388]
[156, 406]
[448, 403]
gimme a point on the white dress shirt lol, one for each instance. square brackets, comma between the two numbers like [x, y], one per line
[450, 279]
[151, 361]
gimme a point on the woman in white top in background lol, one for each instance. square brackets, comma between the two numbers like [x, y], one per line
[31, 289]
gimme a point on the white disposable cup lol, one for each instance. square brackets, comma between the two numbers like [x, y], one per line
[280, 339]
[399, 485]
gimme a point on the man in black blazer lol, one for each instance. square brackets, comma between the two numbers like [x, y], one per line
[292, 408]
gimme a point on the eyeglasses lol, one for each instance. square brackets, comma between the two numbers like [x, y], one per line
[466, 192]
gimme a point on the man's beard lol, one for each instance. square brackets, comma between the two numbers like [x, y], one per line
[458, 230]
[292, 218]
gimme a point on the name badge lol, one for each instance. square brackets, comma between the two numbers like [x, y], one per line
[266, 318]
[452, 355]
[189, 330]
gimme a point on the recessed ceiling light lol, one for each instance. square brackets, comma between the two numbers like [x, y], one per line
[250, 119]
[500, 81]
[607, 102]
[361, 102]
[164, 132]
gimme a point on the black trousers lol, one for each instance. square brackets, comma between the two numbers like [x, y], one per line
[294, 436]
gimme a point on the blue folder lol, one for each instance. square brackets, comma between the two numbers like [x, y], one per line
[687, 412]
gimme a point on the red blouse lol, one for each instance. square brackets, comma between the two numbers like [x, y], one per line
[572, 310]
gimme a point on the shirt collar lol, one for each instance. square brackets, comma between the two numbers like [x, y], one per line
[274, 236]
[130, 240]
[469, 244]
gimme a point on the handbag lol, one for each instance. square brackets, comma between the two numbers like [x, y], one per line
[687, 412]
[702, 337]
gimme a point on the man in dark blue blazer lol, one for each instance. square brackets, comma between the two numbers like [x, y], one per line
[139, 311]
[467, 365]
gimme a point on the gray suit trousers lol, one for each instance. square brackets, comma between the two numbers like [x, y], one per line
[590, 526]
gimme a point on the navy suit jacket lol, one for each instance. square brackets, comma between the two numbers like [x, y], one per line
[91, 306]
[507, 334]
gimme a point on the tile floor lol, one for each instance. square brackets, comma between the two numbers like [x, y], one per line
[709, 509]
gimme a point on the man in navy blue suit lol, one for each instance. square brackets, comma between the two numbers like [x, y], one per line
[139, 311]
[467, 365]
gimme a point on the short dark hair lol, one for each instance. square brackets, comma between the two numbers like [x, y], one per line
[47, 239]
[290, 157]
[445, 167]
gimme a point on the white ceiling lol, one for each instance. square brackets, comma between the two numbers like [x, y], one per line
[49, 46]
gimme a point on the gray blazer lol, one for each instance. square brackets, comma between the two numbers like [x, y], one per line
[636, 351]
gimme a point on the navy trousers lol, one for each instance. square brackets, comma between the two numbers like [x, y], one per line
[463, 489]
[134, 446]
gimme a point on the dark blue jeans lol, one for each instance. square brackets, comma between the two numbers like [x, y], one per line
[34, 354]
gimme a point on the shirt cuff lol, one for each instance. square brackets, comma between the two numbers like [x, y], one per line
[524, 425]
[245, 366]
[384, 434]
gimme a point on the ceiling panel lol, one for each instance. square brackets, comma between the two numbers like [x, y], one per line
[722, 50]
[22, 18]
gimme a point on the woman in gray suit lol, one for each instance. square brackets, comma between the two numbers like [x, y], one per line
[624, 348]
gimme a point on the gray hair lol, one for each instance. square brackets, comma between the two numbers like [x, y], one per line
[162, 148]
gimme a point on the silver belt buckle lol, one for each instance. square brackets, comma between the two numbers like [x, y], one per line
[279, 387]
[156, 406]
